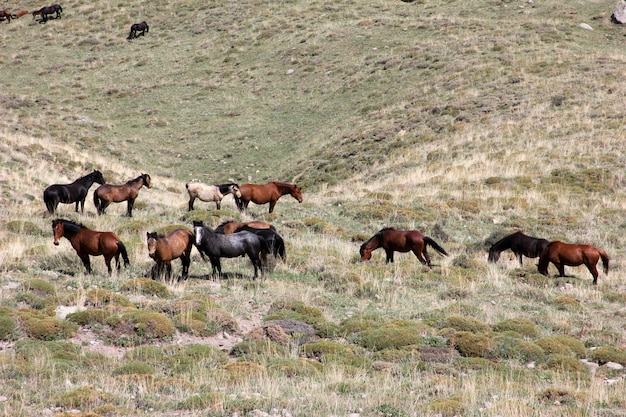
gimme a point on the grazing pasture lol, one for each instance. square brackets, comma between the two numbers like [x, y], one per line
[464, 120]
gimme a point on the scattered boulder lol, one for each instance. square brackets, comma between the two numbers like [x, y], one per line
[619, 15]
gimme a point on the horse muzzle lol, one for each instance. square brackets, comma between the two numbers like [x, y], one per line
[56, 243]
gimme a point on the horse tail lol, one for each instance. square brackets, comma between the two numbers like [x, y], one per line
[49, 200]
[435, 245]
[239, 203]
[97, 202]
[122, 250]
[605, 260]
[279, 248]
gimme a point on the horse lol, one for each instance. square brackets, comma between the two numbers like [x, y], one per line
[136, 27]
[6, 15]
[561, 254]
[20, 14]
[110, 193]
[393, 240]
[49, 10]
[36, 13]
[273, 239]
[266, 193]
[230, 226]
[216, 246]
[75, 192]
[87, 242]
[164, 249]
[214, 193]
[520, 244]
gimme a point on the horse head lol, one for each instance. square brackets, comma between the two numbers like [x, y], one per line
[494, 256]
[146, 180]
[297, 193]
[151, 238]
[234, 190]
[57, 230]
[98, 177]
[365, 252]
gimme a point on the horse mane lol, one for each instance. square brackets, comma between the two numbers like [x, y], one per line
[70, 226]
[284, 184]
[382, 231]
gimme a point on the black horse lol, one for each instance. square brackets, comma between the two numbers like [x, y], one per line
[50, 10]
[273, 239]
[136, 28]
[75, 192]
[217, 245]
[520, 244]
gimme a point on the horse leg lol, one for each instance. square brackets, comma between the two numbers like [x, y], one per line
[594, 272]
[129, 207]
[186, 260]
[217, 204]
[561, 268]
[423, 256]
[272, 204]
[87, 263]
[191, 200]
[107, 261]
[168, 270]
[389, 257]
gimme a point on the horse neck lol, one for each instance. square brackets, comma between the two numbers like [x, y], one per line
[372, 244]
[137, 183]
[284, 188]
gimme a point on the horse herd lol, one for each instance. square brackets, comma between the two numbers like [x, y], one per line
[45, 13]
[259, 239]
[54, 12]
[254, 239]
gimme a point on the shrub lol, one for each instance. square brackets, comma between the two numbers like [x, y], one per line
[144, 324]
[324, 347]
[446, 407]
[507, 347]
[395, 334]
[39, 287]
[213, 401]
[258, 347]
[472, 345]
[567, 304]
[195, 355]
[522, 326]
[89, 317]
[466, 324]
[606, 354]
[558, 345]
[83, 397]
[296, 310]
[99, 298]
[8, 326]
[133, 368]
[24, 227]
[567, 364]
[43, 327]
[552, 395]
[243, 370]
[290, 368]
[146, 286]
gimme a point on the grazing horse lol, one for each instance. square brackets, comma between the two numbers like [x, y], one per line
[520, 244]
[215, 193]
[164, 249]
[266, 193]
[20, 14]
[87, 242]
[273, 239]
[36, 13]
[6, 14]
[75, 192]
[138, 27]
[561, 254]
[109, 193]
[216, 246]
[230, 226]
[393, 240]
[49, 10]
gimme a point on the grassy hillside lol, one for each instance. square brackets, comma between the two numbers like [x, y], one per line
[466, 120]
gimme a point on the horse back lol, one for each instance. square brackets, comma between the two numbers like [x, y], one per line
[402, 241]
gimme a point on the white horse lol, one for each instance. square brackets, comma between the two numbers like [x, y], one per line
[206, 192]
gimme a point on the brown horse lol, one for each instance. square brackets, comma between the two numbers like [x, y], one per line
[6, 15]
[109, 193]
[164, 249]
[87, 242]
[393, 240]
[561, 254]
[20, 14]
[266, 193]
[228, 227]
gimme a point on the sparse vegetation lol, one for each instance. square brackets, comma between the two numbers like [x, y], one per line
[465, 120]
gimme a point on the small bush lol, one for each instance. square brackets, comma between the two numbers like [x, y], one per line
[567, 364]
[552, 395]
[133, 368]
[83, 397]
[146, 325]
[8, 325]
[39, 287]
[258, 347]
[290, 368]
[606, 354]
[472, 345]
[507, 347]
[324, 347]
[43, 327]
[89, 317]
[449, 407]
[522, 326]
[146, 286]
[395, 335]
[24, 227]
[554, 345]
[567, 304]
[466, 324]
[211, 401]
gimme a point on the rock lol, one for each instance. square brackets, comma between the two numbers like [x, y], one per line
[613, 365]
[585, 26]
[619, 14]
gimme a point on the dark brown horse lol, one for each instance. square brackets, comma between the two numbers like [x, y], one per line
[266, 193]
[164, 249]
[561, 254]
[393, 240]
[109, 193]
[230, 226]
[75, 192]
[138, 29]
[520, 244]
[87, 242]
[6, 15]
[55, 9]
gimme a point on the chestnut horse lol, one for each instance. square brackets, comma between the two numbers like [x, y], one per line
[20, 14]
[6, 15]
[164, 249]
[561, 254]
[266, 193]
[75, 192]
[520, 244]
[230, 226]
[87, 242]
[109, 193]
[393, 240]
